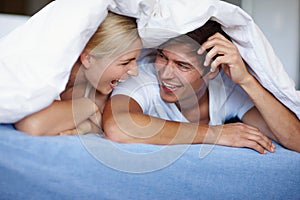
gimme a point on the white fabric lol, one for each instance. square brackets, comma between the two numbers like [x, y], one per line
[87, 90]
[9, 22]
[144, 89]
[36, 58]
[226, 100]
[169, 18]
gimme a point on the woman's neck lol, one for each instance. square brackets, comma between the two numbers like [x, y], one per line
[99, 98]
[77, 74]
[78, 80]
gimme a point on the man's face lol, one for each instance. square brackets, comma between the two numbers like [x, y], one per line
[179, 73]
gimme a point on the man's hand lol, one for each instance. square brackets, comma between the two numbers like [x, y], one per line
[242, 135]
[228, 57]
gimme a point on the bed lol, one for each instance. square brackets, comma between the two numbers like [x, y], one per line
[92, 167]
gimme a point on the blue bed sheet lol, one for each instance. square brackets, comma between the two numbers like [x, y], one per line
[91, 167]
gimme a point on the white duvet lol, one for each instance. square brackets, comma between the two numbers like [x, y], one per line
[36, 58]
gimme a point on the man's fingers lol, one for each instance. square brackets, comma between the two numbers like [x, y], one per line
[260, 138]
[256, 146]
[243, 135]
[262, 141]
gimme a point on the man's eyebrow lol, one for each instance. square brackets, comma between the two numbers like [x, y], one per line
[176, 61]
[162, 51]
[183, 63]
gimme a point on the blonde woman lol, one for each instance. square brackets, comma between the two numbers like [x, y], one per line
[108, 58]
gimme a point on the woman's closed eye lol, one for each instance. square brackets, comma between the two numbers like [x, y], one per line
[126, 62]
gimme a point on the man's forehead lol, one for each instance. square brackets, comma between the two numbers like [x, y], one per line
[184, 52]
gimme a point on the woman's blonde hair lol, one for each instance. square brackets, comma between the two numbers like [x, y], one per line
[114, 35]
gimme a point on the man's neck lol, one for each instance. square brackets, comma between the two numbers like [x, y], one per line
[196, 111]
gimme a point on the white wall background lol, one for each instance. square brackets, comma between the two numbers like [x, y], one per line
[279, 20]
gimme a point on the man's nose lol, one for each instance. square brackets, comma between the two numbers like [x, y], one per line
[167, 71]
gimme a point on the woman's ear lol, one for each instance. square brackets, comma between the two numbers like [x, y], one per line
[85, 59]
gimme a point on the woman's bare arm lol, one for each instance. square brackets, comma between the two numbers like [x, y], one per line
[58, 117]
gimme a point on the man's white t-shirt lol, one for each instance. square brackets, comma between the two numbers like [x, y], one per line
[226, 99]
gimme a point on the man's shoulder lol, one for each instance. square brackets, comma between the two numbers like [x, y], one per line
[146, 68]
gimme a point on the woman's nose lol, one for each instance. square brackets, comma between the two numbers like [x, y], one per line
[133, 71]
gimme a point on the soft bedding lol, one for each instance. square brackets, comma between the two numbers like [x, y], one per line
[36, 57]
[49, 43]
[91, 167]
[167, 18]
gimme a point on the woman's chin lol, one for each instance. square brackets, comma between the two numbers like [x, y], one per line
[105, 91]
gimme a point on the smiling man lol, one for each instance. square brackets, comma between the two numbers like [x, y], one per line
[185, 96]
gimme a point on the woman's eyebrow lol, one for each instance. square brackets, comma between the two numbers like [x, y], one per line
[127, 59]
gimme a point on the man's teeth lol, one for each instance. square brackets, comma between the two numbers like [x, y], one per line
[168, 85]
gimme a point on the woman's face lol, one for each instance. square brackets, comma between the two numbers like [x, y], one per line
[105, 73]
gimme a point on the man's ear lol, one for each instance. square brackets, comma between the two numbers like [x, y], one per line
[86, 59]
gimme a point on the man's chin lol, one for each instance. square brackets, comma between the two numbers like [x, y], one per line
[168, 97]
